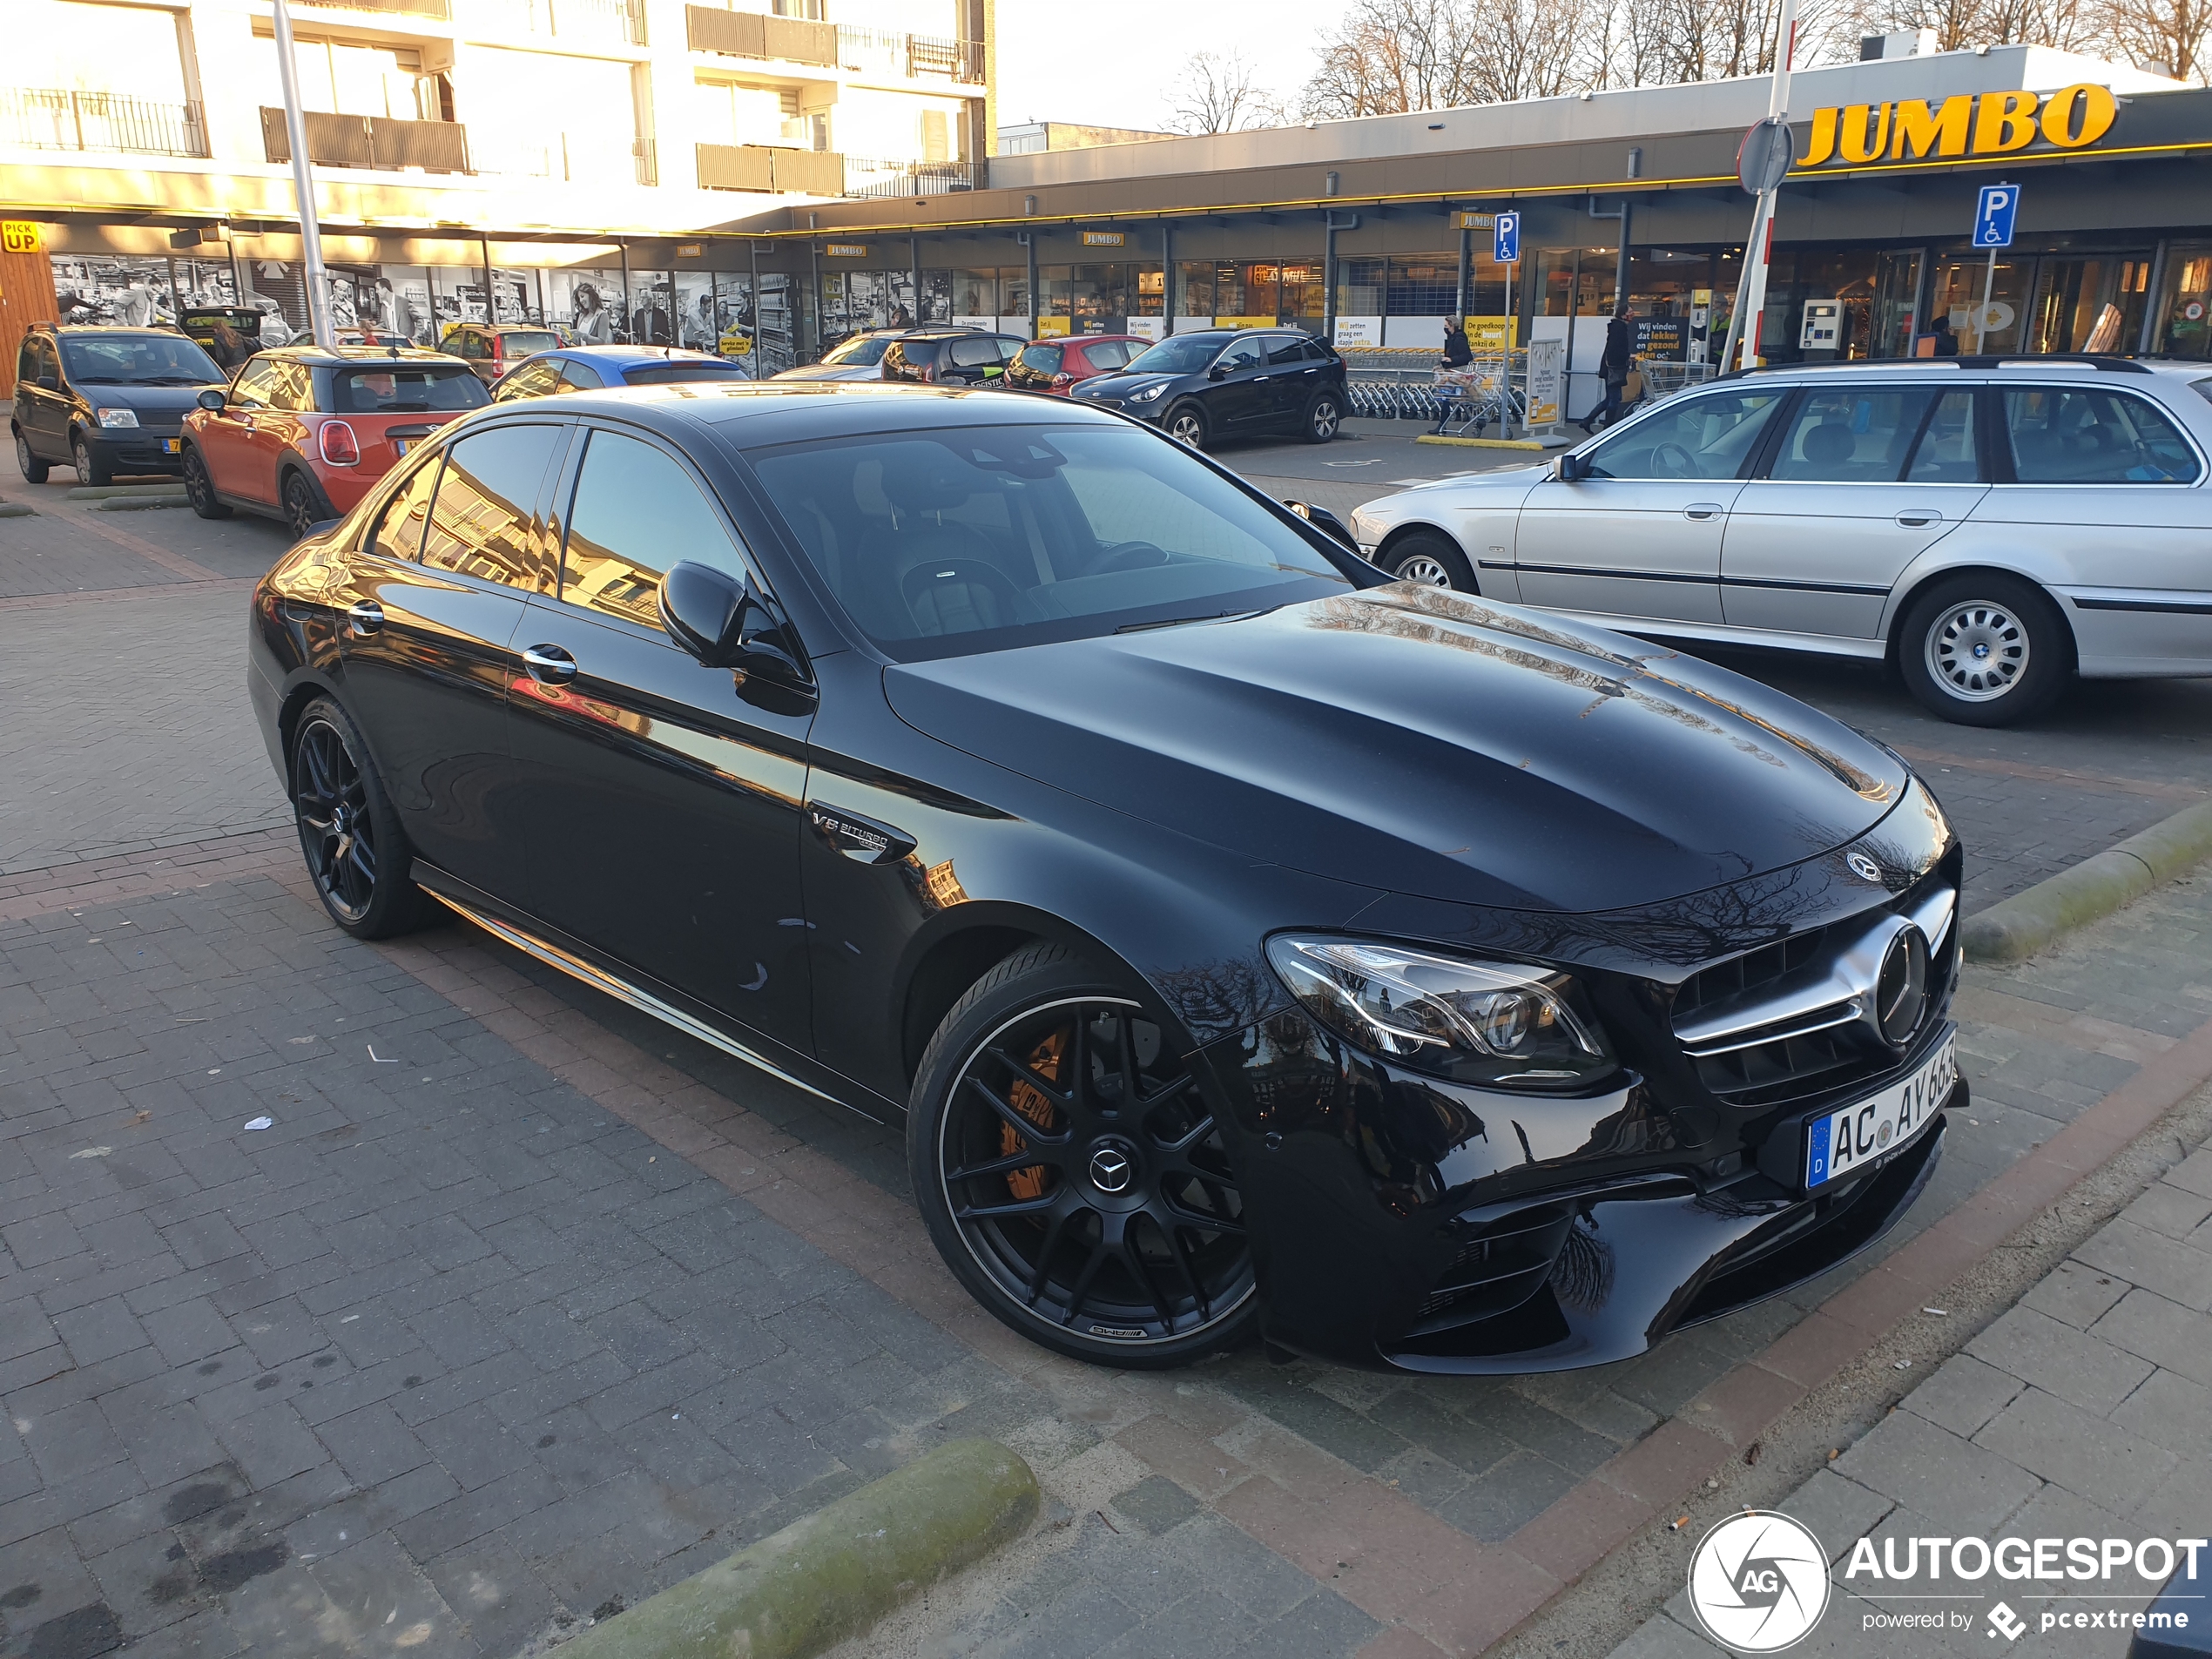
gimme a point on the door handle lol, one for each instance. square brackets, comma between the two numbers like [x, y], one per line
[1700, 510]
[1913, 517]
[550, 665]
[366, 615]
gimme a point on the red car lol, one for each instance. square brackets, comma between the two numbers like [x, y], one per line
[1055, 365]
[304, 433]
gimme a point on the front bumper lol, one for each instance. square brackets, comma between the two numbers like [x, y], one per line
[128, 450]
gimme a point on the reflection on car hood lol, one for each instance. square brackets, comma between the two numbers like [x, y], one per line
[1425, 741]
[156, 405]
[833, 372]
[1120, 385]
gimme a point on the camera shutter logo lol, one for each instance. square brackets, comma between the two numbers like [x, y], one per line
[1758, 1583]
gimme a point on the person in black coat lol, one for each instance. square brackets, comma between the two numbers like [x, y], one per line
[1457, 354]
[1619, 354]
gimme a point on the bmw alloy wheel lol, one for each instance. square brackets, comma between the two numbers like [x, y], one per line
[1977, 651]
[1425, 570]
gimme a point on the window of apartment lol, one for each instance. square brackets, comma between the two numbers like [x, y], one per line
[66, 45]
[339, 78]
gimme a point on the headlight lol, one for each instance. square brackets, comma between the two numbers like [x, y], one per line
[1148, 393]
[117, 417]
[1471, 1022]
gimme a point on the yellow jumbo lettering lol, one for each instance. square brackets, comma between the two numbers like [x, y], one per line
[1920, 131]
[1864, 132]
[1823, 138]
[2006, 121]
[2098, 108]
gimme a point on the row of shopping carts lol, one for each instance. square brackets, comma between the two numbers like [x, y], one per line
[1405, 384]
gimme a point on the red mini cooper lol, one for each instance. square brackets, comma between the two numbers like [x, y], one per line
[304, 433]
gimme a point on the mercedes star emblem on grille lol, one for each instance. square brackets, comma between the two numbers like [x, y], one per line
[1901, 991]
[1863, 866]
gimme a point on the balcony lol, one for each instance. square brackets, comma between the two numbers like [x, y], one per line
[874, 52]
[864, 178]
[437, 11]
[605, 22]
[753, 34]
[769, 167]
[370, 141]
[39, 117]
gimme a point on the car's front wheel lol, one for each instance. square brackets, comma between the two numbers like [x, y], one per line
[33, 469]
[90, 469]
[1071, 1172]
[1322, 417]
[356, 852]
[1186, 424]
[1984, 649]
[199, 489]
[1431, 560]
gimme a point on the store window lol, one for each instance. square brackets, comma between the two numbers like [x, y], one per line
[2185, 305]
[975, 292]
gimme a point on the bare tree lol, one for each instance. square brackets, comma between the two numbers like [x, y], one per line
[1388, 56]
[2174, 35]
[1218, 95]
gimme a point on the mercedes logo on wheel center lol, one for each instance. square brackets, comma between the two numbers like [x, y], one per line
[1110, 1169]
[1758, 1583]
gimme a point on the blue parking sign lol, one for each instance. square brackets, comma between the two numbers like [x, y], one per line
[1507, 234]
[1993, 215]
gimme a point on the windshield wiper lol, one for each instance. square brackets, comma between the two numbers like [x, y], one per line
[98, 379]
[169, 380]
[1176, 622]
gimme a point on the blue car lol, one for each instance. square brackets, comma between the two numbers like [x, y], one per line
[591, 368]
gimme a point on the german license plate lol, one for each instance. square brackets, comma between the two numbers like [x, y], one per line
[1854, 1136]
[172, 446]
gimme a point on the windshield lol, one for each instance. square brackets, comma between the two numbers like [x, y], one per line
[1184, 356]
[518, 342]
[981, 538]
[859, 352]
[139, 360]
[405, 390]
[697, 370]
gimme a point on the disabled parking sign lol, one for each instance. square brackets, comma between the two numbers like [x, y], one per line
[1507, 232]
[1993, 215]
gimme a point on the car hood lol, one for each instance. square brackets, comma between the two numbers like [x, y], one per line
[156, 405]
[1121, 385]
[1427, 742]
[833, 372]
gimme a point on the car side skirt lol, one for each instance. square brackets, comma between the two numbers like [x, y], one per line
[1721, 634]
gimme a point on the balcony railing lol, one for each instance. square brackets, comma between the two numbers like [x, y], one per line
[570, 157]
[768, 167]
[753, 34]
[910, 56]
[604, 21]
[40, 118]
[913, 177]
[370, 141]
[441, 10]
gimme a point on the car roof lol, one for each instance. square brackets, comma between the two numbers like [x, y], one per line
[110, 329]
[2028, 362]
[333, 357]
[763, 411]
[622, 356]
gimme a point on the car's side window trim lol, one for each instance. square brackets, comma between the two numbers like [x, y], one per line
[536, 509]
[1758, 460]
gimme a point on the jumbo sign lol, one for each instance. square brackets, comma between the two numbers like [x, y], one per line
[1988, 123]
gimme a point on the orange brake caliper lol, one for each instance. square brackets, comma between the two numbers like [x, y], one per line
[1030, 1102]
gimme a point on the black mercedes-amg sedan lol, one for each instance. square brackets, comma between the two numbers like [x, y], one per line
[1250, 943]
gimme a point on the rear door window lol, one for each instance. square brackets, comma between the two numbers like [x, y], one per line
[1948, 452]
[636, 512]
[579, 377]
[1284, 350]
[531, 380]
[399, 530]
[1851, 435]
[2086, 435]
[1242, 355]
[484, 520]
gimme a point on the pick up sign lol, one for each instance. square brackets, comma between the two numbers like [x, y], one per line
[18, 236]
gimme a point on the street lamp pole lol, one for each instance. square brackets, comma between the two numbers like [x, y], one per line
[1751, 294]
[303, 185]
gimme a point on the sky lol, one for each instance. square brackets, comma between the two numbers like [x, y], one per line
[1058, 63]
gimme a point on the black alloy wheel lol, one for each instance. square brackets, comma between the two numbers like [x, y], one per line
[199, 489]
[1984, 649]
[1186, 424]
[89, 468]
[300, 511]
[356, 854]
[1071, 1173]
[33, 469]
[1323, 419]
[1431, 560]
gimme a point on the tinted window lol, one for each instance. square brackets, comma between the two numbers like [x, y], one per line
[139, 360]
[1046, 360]
[976, 354]
[1947, 453]
[1241, 356]
[295, 388]
[525, 343]
[27, 360]
[531, 380]
[1851, 435]
[1286, 348]
[2087, 435]
[483, 521]
[1316, 352]
[1185, 354]
[637, 512]
[1690, 437]
[399, 532]
[985, 538]
[668, 373]
[858, 352]
[405, 390]
[468, 343]
[579, 377]
[256, 383]
[1107, 353]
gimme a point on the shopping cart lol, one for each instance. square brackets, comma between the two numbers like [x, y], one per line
[1481, 395]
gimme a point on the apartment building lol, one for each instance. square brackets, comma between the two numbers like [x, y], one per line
[472, 158]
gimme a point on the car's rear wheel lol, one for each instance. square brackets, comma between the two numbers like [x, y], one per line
[1322, 417]
[1186, 424]
[1984, 649]
[90, 469]
[301, 510]
[1431, 560]
[199, 489]
[33, 469]
[357, 854]
[1071, 1172]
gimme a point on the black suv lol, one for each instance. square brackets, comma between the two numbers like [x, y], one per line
[105, 400]
[1225, 383]
[950, 356]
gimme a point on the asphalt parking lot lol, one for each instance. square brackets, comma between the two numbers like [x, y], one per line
[522, 1308]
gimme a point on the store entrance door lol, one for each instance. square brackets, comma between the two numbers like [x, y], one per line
[2088, 304]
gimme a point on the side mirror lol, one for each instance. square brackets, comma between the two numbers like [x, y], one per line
[726, 622]
[1326, 522]
[50, 381]
[1218, 372]
[212, 401]
[1571, 469]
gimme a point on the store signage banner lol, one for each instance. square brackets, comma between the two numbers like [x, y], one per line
[1358, 331]
[18, 236]
[1990, 123]
[1489, 336]
[1105, 239]
[847, 250]
[1546, 358]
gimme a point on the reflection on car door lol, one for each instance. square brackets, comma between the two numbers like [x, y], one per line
[1640, 537]
[1865, 479]
[667, 805]
[44, 405]
[1293, 376]
[265, 437]
[1242, 399]
[434, 602]
[225, 437]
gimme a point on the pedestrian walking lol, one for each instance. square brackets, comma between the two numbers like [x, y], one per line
[1457, 353]
[1613, 368]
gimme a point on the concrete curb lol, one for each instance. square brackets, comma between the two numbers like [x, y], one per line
[838, 1571]
[113, 492]
[2016, 929]
[17, 509]
[1480, 443]
[138, 503]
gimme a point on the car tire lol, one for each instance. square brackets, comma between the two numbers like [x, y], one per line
[1186, 424]
[302, 511]
[1029, 1218]
[199, 489]
[357, 854]
[33, 469]
[90, 469]
[1322, 417]
[1984, 649]
[1430, 559]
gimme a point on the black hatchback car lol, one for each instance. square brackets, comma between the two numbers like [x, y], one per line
[1225, 383]
[105, 400]
[1247, 941]
[952, 357]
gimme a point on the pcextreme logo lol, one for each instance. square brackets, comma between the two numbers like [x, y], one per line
[1988, 123]
[1758, 1583]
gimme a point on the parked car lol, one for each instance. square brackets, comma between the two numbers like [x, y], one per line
[1243, 939]
[492, 350]
[1990, 527]
[856, 357]
[950, 357]
[371, 337]
[303, 433]
[1056, 365]
[1215, 383]
[105, 401]
[589, 368]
